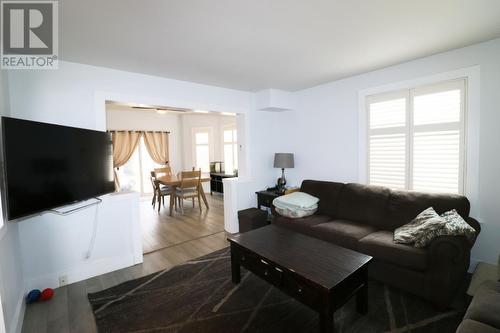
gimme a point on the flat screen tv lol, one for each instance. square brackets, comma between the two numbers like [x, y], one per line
[48, 166]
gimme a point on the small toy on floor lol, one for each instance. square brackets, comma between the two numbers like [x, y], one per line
[33, 296]
[36, 295]
[47, 294]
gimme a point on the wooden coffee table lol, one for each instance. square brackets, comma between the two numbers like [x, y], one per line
[319, 274]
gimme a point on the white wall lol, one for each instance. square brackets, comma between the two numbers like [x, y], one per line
[142, 120]
[74, 94]
[53, 246]
[11, 275]
[268, 133]
[327, 117]
[11, 279]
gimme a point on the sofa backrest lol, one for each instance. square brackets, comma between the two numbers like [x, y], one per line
[404, 206]
[377, 205]
[327, 192]
[363, 203]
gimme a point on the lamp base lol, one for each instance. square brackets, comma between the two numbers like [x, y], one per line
[281, 182]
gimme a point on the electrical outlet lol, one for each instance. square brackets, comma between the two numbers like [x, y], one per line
[63, 280]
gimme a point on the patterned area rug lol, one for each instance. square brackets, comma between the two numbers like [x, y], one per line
[198, 296]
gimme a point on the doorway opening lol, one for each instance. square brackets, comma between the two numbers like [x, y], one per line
[197, 140]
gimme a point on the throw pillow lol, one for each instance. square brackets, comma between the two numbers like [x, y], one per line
[454, 225]
[426, 222]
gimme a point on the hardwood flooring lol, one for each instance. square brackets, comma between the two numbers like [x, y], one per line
[159, 230]
[173, 240]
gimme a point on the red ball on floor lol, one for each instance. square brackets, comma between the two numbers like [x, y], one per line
[46, 294]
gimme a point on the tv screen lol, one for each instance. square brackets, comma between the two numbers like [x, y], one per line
[48, 166]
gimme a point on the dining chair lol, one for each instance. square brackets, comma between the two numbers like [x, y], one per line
[189, 188]
[160, 192]
[163, 171]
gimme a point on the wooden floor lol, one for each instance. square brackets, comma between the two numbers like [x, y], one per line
[159, 230]
[174, 240]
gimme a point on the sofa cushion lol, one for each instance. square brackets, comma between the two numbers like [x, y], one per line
[403, 206]
[472, 326]
[380, 245]
[342, 232]
[303, 224]
[327, 192]
[363, 203]
[485, 306]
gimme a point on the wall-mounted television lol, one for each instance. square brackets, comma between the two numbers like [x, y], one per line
[48, 166]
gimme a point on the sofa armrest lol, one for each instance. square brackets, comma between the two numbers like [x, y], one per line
[449, 259]
[448, 250]
[453, 249]
[475, 224]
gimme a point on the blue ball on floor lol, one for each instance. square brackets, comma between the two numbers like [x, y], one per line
[33, 296]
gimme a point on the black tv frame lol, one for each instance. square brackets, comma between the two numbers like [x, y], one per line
[4, 180]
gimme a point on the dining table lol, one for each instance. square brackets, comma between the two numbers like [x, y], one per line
[174, 180]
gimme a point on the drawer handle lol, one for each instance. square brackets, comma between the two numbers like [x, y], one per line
[242, 258]
[264, 262]
[299, 290]
[266, 273]
[279, 270]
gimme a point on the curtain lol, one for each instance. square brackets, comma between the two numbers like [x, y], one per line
[124, 144]
[157, 146]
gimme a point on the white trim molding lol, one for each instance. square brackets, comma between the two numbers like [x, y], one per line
[472, 74]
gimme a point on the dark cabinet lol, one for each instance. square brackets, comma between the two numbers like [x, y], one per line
[216, 181]
[265, 198]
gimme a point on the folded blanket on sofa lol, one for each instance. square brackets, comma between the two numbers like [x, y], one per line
[296, 200]
[296, 205]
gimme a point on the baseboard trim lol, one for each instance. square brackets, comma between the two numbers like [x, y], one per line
[81, 272]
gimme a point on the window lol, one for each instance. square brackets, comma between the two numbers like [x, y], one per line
[135, 174]
[230, 151]
[202, 150]
[416, 138]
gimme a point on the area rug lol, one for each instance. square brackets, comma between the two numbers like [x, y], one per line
[198, 296]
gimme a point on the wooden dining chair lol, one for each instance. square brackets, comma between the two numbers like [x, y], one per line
[163, 171]
[189, 188]
[160, 192]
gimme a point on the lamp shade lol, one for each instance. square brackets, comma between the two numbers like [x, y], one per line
[283, 160]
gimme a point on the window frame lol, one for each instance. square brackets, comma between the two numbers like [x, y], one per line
[141, 151]
[471, 133]
[409, 128]
[389, 130]
[196, 130]
[233, 143]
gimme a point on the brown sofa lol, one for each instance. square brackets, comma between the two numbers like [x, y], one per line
[363, 218]
[483, 314]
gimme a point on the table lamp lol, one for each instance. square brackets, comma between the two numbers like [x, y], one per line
[282, 161]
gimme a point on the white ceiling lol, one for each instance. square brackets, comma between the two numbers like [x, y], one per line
[258, 44]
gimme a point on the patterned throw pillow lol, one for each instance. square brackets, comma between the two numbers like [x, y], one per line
[454, 225]
[426, 222]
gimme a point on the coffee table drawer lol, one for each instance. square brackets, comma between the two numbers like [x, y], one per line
[300, 290]
[285, 280]
[259, 266]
